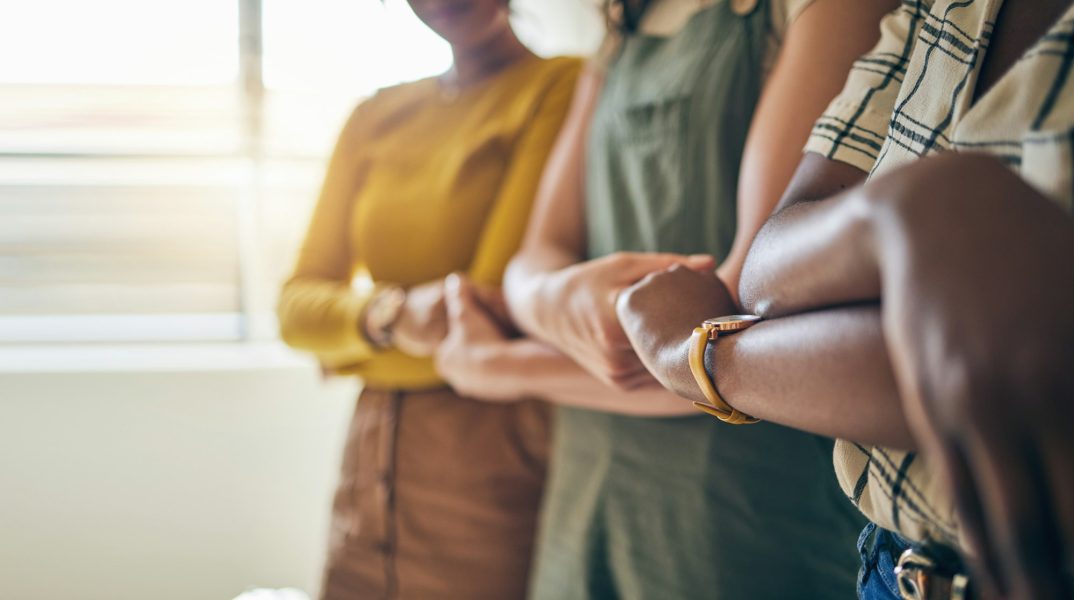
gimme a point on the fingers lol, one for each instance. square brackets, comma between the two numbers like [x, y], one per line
[466, 315]
[456, 296]
[489, 297]
[636, 265]
[1059, 466]
[981, 560]
[491, 300]
[626, 371]
[1018, 518]
[700, 262]
[640, 380]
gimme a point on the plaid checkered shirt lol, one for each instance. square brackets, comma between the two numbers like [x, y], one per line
[910, 97]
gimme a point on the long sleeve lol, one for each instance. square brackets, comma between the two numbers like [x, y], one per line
[318, 308]
[505, 226]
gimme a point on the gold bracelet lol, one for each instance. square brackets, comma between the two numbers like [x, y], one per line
[699, 341]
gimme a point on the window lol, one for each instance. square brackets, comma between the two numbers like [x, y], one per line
[158, 159]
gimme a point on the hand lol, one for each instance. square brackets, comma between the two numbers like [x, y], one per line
[423, 323]
[491, 300]
[587, 328]
[660, 312]
[979, 320]
[475, 339]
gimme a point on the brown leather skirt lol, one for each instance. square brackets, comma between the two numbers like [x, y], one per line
[438, 498]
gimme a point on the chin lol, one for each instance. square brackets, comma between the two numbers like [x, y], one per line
[464, 28]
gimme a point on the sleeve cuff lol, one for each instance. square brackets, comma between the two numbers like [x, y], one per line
[849, 133]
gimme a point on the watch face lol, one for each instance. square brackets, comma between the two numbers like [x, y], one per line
[732, 322]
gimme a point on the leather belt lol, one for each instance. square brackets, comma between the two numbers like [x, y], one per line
[920, 577]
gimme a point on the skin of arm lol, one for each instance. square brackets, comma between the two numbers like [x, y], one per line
[660, 319]
[480, 360]
[555, 297]
[978, 285]
[546, 248]
[423, 322]
[540, 277]
[824, 372]
[811, 69]
[571, 306]
[813, 252]
[977, 324]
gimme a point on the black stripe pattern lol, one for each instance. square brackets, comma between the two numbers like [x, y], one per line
[912, 96]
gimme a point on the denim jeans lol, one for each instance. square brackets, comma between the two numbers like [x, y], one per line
[880, 550]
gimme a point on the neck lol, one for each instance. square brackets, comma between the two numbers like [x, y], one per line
[499, 51]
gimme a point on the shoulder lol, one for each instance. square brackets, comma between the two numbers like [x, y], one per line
[378, 114]
[559, 69]
[539, 79]
[785, 12]
[390, 98]
[388, 102]
[836, 14]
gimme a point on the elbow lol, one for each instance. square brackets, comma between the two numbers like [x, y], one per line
[756, 289]
[521, 283]
[750, 294]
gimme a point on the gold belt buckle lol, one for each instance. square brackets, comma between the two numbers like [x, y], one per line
[919, 579]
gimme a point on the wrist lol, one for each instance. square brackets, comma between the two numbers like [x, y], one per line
[522, 289]
[381, 314]
[498, 369]
[702, 367]
[674, 370]
[547, 296]
[518, 368]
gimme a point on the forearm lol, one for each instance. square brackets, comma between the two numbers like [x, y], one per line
[555, 236]
[322, 316]
[825, 372]
[536, 370]
[822, 253]
[532, 284]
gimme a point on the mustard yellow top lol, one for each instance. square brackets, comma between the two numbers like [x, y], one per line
[421, 184]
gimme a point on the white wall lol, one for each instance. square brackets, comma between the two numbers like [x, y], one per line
[171, 485]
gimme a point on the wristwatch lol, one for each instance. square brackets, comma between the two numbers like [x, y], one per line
[710, 330]
[381, 314]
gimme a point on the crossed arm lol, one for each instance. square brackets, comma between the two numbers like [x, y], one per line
[570, 304]
[823, 371]
[974, 270]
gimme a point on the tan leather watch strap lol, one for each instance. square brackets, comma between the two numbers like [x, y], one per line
[716, 406]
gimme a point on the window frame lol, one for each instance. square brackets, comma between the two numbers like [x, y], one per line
[254, 312]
